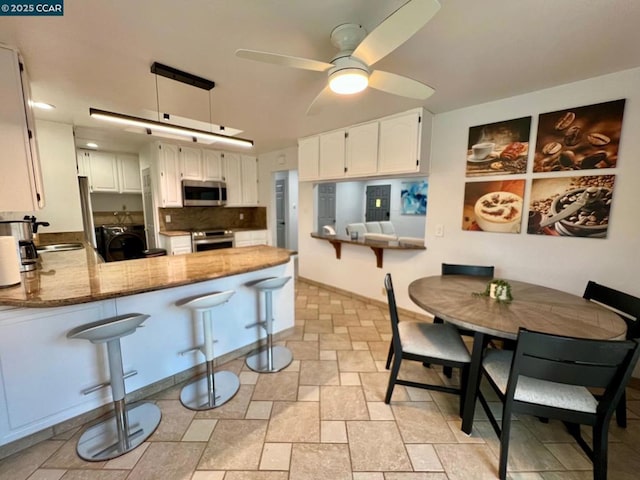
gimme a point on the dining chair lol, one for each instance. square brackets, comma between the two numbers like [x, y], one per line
[453, 269]
[549, 376]
[438, 344]
[461, 269]
[628, 307]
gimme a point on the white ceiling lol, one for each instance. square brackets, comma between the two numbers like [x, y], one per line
[100, 52]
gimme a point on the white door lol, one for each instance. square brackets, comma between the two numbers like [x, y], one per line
[308, 158]
[170, 176]
[362, 150]
[399, 144]
[191, 163]
[332, 150]
[233, 177]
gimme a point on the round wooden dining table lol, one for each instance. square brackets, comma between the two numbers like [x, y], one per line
[534, 307]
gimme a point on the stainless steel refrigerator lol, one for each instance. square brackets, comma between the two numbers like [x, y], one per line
[87, 214]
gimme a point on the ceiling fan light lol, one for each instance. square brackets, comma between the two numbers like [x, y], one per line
[348, 81]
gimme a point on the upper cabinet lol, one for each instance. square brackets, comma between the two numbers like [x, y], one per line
[332, 148]
[362, 150]
[110, 172]
[169, 173]
[399, 150]
[20, 174]
[190, 163]
[211, 165]
[241, 176]
[394, 145]
[308, 158]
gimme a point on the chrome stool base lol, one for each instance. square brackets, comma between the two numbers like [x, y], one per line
[258, 361]
[102, 441]
[195, 395]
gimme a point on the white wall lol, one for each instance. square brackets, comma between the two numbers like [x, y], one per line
[563, 263]
[60, 177]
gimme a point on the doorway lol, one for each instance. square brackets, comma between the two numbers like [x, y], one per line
[281, 223]
[378, 203]
[326, 205]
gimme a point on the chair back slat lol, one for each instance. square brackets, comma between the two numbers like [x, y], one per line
[473, 270]
[590, 363]
[627, 306]
[393, 311]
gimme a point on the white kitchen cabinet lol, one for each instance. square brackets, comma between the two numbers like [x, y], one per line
[176, 244]
[104, 172]
[247, 238]
[21, 187]
[309, 158]
[400, 144]
[129, 173]
[211, 165]
[83, 164]
[190, 163]
[110, 172]
[249, 180]
[233, 177]
[332, 154]
[34, 400]
[170, 181]
[362, 150]
[241, 176]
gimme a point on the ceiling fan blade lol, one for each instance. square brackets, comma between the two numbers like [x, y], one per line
[322, 99]
[399, 85]
[396, 29]
[284, 60]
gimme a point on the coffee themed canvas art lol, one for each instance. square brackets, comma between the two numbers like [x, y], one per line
[493, 206]
[580, 138]
[571, 206]
[498, 148]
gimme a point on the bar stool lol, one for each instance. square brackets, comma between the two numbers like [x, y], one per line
[130, 425]
[269, 358]
[214, 389]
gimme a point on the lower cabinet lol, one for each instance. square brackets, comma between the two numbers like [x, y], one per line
[176, 245]
[251, 237]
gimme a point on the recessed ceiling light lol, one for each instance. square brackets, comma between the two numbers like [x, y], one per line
[42, 105]
[92, 145]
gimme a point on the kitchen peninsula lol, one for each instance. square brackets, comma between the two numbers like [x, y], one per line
[43, 374]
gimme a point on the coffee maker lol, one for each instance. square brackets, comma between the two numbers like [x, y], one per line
[22, 231]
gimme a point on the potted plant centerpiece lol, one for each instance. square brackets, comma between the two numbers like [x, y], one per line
[500, 290]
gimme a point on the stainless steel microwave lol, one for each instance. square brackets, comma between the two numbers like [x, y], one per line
[197, 193]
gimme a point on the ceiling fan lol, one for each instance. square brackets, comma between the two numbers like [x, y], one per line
[350, 70]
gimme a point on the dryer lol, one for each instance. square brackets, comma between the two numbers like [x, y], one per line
[121, 242]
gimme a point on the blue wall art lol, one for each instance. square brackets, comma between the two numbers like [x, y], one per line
[413, 198]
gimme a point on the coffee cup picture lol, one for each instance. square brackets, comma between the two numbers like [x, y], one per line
[495, 206]
[482, 150]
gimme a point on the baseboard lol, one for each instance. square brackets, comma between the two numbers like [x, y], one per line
[62, 428]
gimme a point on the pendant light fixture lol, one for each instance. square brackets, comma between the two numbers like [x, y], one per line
[191, 134]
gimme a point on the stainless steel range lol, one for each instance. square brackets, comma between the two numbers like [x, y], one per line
[212, 239]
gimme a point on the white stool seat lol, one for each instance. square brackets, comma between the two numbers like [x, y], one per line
[269, 358]
[213, 389]
[272, 283]
[129, 425]
[109, 329]
[204, 302]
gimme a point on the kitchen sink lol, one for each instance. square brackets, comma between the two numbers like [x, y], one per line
[60, 247]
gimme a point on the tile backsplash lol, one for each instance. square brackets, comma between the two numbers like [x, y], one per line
[190, 218]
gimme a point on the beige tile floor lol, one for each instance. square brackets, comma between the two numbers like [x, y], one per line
[324, 418]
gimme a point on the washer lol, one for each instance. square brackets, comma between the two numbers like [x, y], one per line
[121, 242]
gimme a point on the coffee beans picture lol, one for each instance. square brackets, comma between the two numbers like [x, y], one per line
[573, 136]
[598, 139]
[564, 121]
[552, 148]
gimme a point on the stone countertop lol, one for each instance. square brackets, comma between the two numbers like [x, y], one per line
[77, 276]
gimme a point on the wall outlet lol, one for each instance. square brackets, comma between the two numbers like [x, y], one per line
[242, 216]
[439, 230]
[167, 218]
[383, 292]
